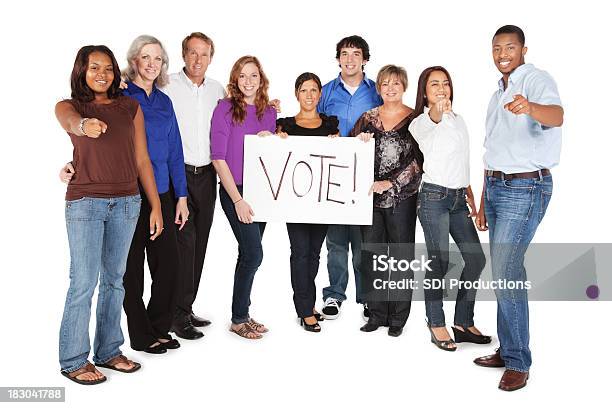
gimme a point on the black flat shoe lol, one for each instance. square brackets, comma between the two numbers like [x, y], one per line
[160, 348]
[466, 336]
[319, 317]
[369, 327]
[171, 344]
[314, 328]
[395, 331]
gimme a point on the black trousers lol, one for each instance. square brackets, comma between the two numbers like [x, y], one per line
[193, 238]
[390, 226]
[306, 241]
[147, 324]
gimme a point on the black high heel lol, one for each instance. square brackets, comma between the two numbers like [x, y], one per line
[466, 336]
[446, 345]
[314, 328]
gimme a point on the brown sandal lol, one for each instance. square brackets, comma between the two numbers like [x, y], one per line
[114, 362]
[257, 327]
[246, 331]
[87, 368]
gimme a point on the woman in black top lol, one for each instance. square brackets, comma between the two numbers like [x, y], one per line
[306, 239]
[397, 174]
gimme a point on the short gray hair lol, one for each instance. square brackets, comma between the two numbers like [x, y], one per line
[133, 52]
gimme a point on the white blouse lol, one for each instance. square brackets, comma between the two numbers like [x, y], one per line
[445, 147]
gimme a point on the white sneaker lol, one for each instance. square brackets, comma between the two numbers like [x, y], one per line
[331, 308]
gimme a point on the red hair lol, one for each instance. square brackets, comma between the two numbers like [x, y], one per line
[237, 97]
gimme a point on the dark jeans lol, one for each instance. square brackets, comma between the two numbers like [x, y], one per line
[443, 211]
[306, 241]
[394, 225]
[339, 237]
[147, 324]
[250, 255]
[193, 238]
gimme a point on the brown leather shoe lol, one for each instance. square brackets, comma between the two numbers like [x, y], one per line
[513, 380]
[493, 360]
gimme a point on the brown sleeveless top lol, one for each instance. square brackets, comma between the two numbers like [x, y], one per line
[105, 167]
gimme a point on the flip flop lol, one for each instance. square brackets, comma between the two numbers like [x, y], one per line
[87, 368]
[113, 362]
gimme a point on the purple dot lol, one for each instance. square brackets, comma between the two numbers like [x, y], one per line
[592, 292]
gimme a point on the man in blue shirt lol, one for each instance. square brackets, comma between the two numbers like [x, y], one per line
[523, 141]
[346, 97]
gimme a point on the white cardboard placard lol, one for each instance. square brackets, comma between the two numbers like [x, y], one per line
[309, 179]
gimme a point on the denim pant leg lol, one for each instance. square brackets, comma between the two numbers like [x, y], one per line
[85, 227]
[433, 211]
[250, 256]
[464, 234]
[119, 227]
[514, 208]
[337, 262]
[355, 240]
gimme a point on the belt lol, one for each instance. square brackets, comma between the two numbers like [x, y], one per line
[526, 175]
[197, 170]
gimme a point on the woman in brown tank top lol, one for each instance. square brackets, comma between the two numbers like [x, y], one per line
[102, 206]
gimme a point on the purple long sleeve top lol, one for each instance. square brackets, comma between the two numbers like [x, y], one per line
[227, 137]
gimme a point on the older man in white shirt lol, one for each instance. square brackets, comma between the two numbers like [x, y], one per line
[194, 97]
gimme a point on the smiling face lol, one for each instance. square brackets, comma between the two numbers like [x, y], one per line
[308, 95]
[99, 76]
[508, 53]
[148, 62]
[351, 62]
[197, 58]
[248, 82]
[391, 89]
[437, 88]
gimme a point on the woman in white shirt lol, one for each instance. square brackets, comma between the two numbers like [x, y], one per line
[443, 206]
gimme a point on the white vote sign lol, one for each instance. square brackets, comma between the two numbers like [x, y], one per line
[309, 179]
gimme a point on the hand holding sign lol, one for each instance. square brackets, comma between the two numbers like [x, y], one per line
[365, 136]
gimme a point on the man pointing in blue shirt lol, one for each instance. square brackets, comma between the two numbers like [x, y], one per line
[523, 141]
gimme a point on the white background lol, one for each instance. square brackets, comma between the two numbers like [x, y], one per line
[341, 366]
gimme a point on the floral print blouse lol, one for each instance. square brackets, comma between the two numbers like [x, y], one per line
[397, 158]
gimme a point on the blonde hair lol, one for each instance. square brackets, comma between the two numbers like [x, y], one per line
[132, 54]
[389, 71]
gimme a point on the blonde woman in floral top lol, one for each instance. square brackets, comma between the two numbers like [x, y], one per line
[397, 175]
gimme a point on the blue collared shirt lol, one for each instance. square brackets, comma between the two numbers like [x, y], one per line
[518, 143]
[163, 139]
[337, 101]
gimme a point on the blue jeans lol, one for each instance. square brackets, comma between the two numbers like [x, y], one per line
[100, 231]
[250, 255]
[514, 209]
[443, 211]
[338, 239]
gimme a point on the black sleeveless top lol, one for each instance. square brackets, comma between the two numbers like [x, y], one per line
[329, 126]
